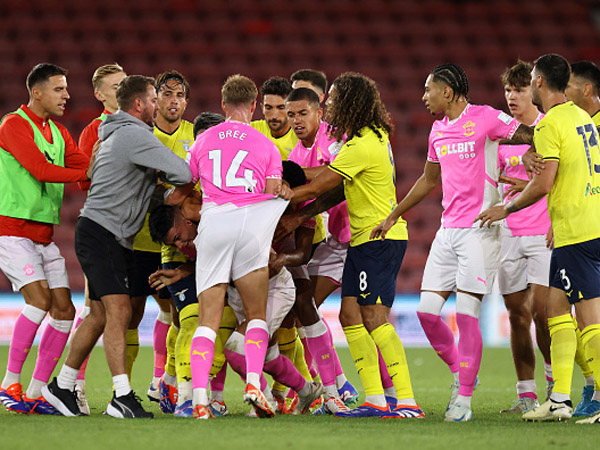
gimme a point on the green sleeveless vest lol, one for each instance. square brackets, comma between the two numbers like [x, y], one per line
[22, 196]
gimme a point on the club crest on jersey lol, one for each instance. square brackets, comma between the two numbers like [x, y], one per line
[469, 128]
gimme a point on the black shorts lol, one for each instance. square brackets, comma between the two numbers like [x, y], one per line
[146, 263]
[184, 291]
[575, 269]
[370, 271]
[107, 265]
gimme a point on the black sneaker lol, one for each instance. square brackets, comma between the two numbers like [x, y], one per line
[64, 400]
[127, 407]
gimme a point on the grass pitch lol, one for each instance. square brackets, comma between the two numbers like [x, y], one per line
[430, 378]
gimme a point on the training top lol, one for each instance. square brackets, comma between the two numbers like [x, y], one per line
[232, 161]
[17, 141]
[467, 152]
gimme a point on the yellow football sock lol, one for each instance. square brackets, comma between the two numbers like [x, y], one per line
[287, 347]
[300, 361]
[133, 348]
[227, 327]
[392, 351]
[580, 358]
[563, 345]
[590, 337]
[188, 322]
[364, 352]
[171, 342]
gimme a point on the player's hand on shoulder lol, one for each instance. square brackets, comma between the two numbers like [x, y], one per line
[533, 162]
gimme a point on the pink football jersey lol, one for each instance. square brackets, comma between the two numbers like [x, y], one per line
[324, 151]
[534, 219]
[467, 150]
[233, 161]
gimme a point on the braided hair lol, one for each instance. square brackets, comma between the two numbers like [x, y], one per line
[454, 77]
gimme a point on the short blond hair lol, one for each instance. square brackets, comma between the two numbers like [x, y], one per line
[104, 71]
[239, 90]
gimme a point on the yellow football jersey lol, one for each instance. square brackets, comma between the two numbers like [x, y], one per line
[180, 142]
[367, 165]
[568, 135]
[596, 119]
[285, 144]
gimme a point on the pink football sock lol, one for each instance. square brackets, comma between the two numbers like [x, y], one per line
[283, 371]
[20, 344]
[470, 346]
[441, 339]
[309, 358]
[81, 374]
[218, 382]
[52, 344]
[159, 341]
[386, 380]
[238, 363]
[256, 341]
[202, 353]
[321, 348]
[336, 359]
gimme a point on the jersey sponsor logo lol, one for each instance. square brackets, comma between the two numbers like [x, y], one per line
[513, 161]
[469, 128]
[28, 269]
[464, 150]
[591, 190]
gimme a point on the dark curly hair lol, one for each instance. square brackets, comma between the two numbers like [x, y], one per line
[354, 103]
[453, 76]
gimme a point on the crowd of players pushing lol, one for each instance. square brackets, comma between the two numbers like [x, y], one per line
[351, 148]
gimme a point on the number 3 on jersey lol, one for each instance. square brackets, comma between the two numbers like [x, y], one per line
[231, 178]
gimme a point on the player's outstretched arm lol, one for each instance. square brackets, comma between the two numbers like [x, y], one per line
[535, 190]
[421, 189]
[522, 135]
[289, 222]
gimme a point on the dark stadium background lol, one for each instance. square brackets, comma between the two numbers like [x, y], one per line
[396, 43]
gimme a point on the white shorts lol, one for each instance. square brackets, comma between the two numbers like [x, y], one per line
[523, 260]
[463, 258]
[328, 260]
[282, 295]
[24, 261]
[234, 241]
